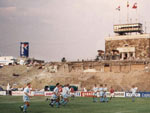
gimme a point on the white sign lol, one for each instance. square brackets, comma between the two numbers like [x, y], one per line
[130, 94]
[126, 49]
[2, 92]
[17, 93]
[117, 94]
[89, 70]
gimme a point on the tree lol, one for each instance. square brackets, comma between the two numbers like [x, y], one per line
[63, 59]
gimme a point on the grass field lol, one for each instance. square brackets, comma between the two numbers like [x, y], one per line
[9, 104]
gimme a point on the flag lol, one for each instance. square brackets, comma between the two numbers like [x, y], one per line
[127, 4]
[118, 8]
[134, 6]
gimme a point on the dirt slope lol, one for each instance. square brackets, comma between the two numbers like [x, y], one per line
[40, 77]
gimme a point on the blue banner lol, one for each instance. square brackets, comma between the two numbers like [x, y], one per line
[24, 49]
[138, 94]
[145, 94]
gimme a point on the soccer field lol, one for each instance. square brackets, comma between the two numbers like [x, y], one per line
[9, 104]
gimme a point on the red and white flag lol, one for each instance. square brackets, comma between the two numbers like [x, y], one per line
[118, 8]
[134, 6]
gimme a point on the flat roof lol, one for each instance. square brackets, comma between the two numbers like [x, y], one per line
[125, 37]
[127, 24]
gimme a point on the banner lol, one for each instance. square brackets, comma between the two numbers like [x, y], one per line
[87, 94]
[38, 93]
[145, 94]
[24, 49]
[20, 93]
[3, 93]
[48, 93]
[130, 95]
[77, 93]
[17, 93]
[90, 94]
[119, 94]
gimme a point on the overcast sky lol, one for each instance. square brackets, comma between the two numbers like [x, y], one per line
[74, 29]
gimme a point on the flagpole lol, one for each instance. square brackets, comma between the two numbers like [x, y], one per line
[127, 12]
[136, 16]
[118, 8]
[127, 15]
[119, 18]
[136, 13]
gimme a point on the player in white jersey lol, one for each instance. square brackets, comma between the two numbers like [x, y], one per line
[26, 98]
[95, 95]
[101, 92]
[133, 92]
[105, 93]
[55, 96]
[65, 95]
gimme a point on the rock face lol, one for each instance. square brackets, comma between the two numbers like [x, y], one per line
[141, 44]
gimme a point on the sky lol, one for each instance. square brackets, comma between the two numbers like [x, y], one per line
[74, 29]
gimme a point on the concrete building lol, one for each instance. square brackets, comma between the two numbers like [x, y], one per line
[129, 41]
[7, 60]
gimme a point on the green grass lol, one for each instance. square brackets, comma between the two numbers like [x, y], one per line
[9, 104]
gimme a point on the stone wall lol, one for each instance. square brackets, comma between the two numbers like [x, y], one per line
[142, 46]
[103, 66]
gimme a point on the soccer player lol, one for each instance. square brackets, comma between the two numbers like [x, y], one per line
[95, 89]
[112, 94]
[26, 98]
[65, 94]
[105, 95]
[60, 88]
[55, 96]
[60, 92]
[72, 92]
[101, 93]
[133, 92]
